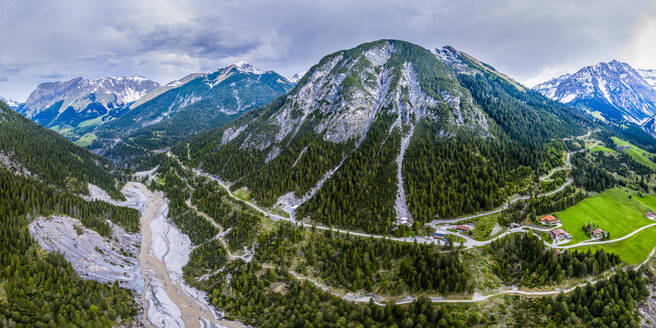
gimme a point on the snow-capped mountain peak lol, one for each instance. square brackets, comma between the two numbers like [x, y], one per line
[240, 65]
[13, 104]
[83, 99]
[614, 89]
[297, 77]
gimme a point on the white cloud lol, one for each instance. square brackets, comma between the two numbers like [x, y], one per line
[164, 40]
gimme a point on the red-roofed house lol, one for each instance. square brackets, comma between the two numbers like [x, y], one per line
[462, 228]
[549, 220]
[559, 234]
[598, 233]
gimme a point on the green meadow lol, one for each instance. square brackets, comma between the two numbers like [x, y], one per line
[631, 250]
[637, 154]
[612, 210]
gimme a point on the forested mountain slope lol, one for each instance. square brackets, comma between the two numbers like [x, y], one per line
[32, 150]
[40, 176]
[192, 105]
[390, 129]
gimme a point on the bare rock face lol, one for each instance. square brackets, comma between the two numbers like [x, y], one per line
[91, 255]
[113, 259]
[648, 308]
[342, 95]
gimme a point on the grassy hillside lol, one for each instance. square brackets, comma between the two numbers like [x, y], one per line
[636, 153]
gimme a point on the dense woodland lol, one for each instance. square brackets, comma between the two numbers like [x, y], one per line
[591, 174]
[522, 259]
[356, 263]
[608, 303]
[181, 185]
[178, 191]
[243, 222]
[361, 193]
[51, 157]
[295, 169]
[270, 298]
[449, 177]
[559, 201]
[39, 289]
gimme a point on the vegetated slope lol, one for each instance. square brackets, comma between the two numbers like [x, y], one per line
[198, 103]
[40, 174]
[30, 149]
[614, 89]
[80, 105]
[332, 146]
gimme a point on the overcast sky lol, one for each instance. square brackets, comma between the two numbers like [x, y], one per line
[531, 41]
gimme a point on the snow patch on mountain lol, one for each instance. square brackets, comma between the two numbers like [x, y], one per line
[297, 77]
[649, 75]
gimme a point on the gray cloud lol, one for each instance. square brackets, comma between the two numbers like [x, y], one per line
[165, 40]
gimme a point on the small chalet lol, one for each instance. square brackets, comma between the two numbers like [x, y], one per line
[559, 234]
[549, 220]
[558, 251]
[651, 215]
[598, 233]
[514, 225]
[462, 228]
[438, 236]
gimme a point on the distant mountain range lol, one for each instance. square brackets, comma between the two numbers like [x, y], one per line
[117, 116]
[11, 103]
[78, 105]
[612, 91]
[186, 107]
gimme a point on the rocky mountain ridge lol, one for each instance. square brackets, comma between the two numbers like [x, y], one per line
[614, 90]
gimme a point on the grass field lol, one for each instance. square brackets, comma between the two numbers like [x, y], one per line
[483, 226]
[598, 115]
[86, 140]
[632, 250]
[612, 210]
[242, 193]
[601, 148]
[90, 122]
[649, 201]
[637, 154]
